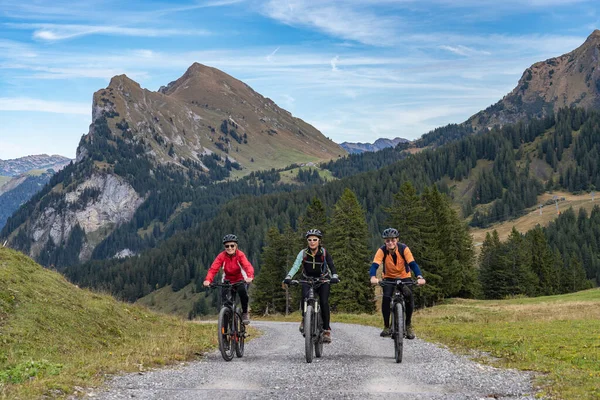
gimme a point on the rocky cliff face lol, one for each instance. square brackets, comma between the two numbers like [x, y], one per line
[113, 202]
[572, 79]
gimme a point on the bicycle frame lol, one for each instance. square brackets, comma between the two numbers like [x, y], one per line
[231, 329]
[312, 317]
[398, 323]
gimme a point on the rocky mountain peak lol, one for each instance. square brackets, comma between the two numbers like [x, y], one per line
[572, 79]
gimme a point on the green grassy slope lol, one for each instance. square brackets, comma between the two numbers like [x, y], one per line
[55, 336]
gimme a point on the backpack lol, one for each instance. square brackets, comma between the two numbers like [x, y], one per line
[401, 248]
[325, 267]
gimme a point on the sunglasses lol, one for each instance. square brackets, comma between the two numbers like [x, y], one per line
[390, 240]
[313, 240]
[230, 246]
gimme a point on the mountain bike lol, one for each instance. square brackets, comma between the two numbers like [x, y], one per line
[398, 325]
[313, 322]
[231, 328]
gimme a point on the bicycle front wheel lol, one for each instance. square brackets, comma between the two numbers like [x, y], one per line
[318, 335]
[398, 331]
[309, 333]
[225, 335]
[240, 335]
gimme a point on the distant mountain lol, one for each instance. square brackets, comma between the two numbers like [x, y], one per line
[572, 79]
[150, 150]
[21, 165]
[357, 148]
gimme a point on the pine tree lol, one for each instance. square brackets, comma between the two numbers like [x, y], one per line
[522, 279]
[348, 238]
[406, 215]
[267, 294]
[314, 218]
[494, 271]
[542, 261]
[450, 249]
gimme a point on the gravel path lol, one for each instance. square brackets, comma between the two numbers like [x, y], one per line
[357, 365]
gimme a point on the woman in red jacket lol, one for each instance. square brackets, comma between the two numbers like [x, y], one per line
[236, 267]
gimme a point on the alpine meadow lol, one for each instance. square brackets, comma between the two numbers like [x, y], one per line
[103, 257]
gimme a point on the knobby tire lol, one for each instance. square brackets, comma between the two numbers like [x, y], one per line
[398, 331]
[308, 333]
[319, 336]
[240, 334]
[225, 326]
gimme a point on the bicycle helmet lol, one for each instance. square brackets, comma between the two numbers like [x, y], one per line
[229, 238]
[314, 232]
[390, 233]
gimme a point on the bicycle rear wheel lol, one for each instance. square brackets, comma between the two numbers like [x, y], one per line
[319, 335]
[240, 335]
[398, 331]
[308, 333]
[225, 334]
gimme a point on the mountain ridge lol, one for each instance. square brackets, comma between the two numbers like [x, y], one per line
[155, 148]
[571, 79]
[379, 144]
[18, 166]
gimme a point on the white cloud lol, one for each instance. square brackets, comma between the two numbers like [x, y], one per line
[338, 19]
[29, 104]
[272, 55]
[464, 50]
[334, 62]
[54, 32]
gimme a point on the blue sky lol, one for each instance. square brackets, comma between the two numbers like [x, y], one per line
[356, 70]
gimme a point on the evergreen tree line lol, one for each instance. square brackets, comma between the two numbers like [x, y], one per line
[544, 261]
[254, 214]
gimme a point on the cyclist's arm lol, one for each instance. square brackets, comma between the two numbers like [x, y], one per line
[214, 268]
[296, 265]
[246, 266]
[330, 264]
[411, 262]
[376, 262]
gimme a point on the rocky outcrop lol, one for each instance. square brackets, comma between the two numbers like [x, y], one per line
[572, 79]
[113, 203]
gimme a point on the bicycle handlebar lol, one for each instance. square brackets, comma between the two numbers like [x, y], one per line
[310, 281]
[396, 282]
[225, 284]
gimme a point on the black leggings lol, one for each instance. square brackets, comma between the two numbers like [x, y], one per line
[242, 292]
[409, 302]
[323, 292]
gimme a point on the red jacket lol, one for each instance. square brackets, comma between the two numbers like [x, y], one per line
[232, 265]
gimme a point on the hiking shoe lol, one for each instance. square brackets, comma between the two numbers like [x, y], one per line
[302, 328]
[327, 336]
[385, 332]
[410, 334]
[245, 318]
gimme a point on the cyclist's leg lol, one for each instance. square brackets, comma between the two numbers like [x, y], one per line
[409, 302]
[224, 295]
[243, 293]
[305, 289]
[324, 300]
[386, 302]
